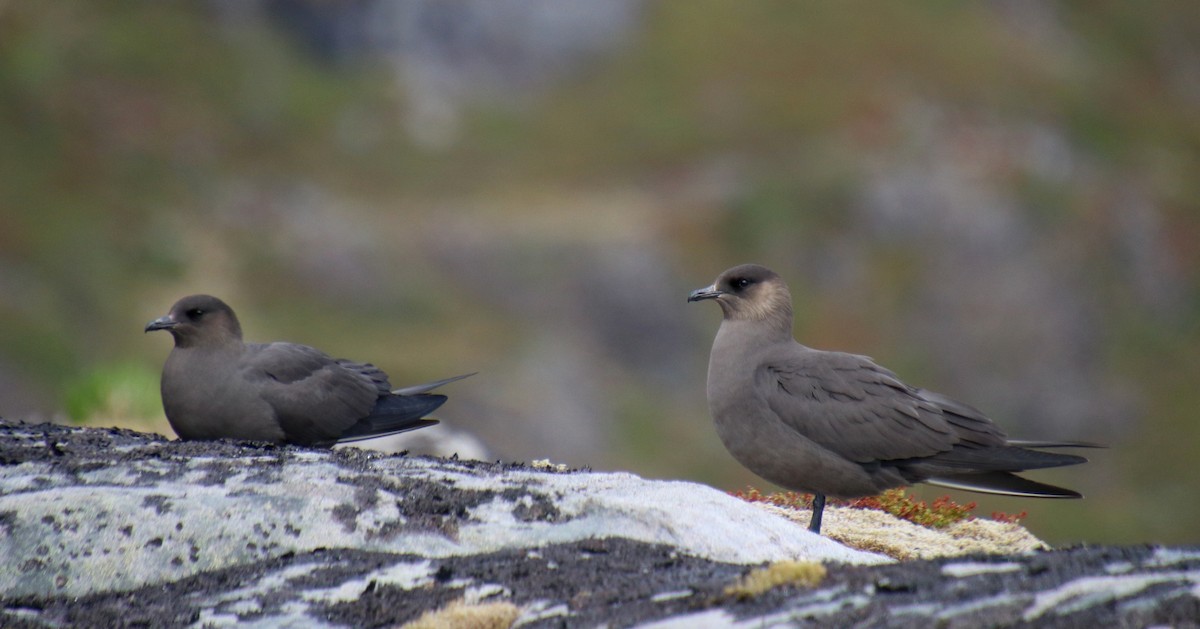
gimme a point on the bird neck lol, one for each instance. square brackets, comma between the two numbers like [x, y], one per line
[771, 310]
[210, 343]
[741, 336]
[223, 333]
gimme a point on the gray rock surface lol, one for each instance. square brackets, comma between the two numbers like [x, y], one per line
[117, 528]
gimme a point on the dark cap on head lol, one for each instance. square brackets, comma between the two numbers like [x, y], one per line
[750, 292]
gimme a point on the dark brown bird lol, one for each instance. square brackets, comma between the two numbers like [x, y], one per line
[216, 386]
[835, 424]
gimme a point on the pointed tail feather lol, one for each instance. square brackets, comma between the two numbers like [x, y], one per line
[417, 389]
[393, 414]
[394, 429]
[1006, 458]
[403, 410]
[1054, 444]
[1004, 484]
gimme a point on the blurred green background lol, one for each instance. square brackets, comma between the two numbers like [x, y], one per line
[998, 200]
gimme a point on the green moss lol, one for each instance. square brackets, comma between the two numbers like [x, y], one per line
[792, 573]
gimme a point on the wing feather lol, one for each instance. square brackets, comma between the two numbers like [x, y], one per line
[851, 406]
[315, 397]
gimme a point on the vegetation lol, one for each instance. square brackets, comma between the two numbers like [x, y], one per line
[997, 200]
[794, 573]
[939, 513]
[495, 615]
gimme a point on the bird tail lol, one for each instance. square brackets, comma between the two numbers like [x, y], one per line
[992, 470]
[417, 389]
[394, 414]
[1005, 458]
[1002, 483]
[405, 409]
[1053, 444]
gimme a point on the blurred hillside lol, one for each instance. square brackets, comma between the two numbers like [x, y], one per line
[997, 200]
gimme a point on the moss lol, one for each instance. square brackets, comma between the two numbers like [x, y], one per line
[786, 499]
[799, 573]
[940, 513]
[460, 615]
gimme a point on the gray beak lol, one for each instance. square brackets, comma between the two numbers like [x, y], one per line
[161, 323]
[708, 292]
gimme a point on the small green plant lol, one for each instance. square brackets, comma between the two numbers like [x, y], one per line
[940, 513]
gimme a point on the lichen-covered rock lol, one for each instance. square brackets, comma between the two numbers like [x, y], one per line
[88, 511]
[112, 528]
[1081, 587]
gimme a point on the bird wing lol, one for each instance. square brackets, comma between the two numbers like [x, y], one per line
[315, 397]
[853, 407]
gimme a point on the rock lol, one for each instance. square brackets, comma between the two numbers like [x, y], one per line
[1080, 587]
[107, 527]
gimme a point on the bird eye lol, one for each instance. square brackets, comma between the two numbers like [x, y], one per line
[195, 313]
[740, 282]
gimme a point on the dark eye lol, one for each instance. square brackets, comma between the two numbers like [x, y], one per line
[194, 313]
[741, 283]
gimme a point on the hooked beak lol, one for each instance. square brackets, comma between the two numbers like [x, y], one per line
[161, 323]
[708, 292]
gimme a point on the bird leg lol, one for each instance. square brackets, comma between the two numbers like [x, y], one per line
[818, 509]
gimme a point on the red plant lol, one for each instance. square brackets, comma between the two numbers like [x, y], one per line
[940, 513]
[1010, 518]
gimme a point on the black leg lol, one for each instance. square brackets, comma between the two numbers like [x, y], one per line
[818, 509]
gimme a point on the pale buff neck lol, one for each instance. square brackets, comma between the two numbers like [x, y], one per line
[770, 311]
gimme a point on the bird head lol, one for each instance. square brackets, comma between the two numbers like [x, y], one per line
[749, 292]
[199, 320]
